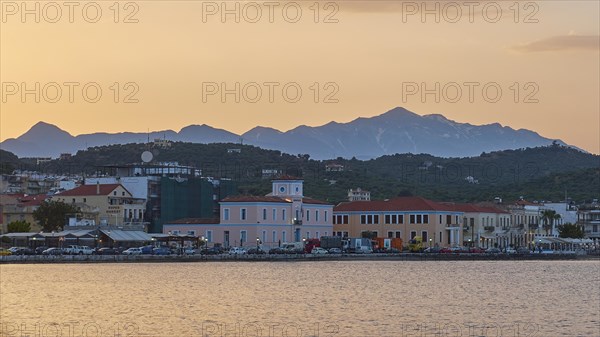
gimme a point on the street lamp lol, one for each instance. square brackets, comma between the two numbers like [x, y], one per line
[257, 244]
[203, 244]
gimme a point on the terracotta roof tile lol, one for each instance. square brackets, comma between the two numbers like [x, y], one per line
[84, 190]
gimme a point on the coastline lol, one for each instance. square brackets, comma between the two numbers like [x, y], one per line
[40, 259]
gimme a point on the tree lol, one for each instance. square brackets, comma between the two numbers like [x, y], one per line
[548, 217]
[51, 215]
[570, 230]
[18, 227]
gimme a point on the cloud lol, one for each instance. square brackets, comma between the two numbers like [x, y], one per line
[569, 42]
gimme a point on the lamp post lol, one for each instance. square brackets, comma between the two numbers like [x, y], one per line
[203, 244]
[257, 244]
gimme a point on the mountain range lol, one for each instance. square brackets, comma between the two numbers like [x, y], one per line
[396, 131]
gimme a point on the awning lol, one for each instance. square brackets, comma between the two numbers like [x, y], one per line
[121, 235]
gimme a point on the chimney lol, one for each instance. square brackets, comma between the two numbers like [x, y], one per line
[97, 187]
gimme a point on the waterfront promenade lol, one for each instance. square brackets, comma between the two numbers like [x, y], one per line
[17, 259]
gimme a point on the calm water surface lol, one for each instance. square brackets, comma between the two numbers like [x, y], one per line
[345, 298]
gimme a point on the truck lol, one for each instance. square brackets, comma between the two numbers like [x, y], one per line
[358, 245]
[79, 250]
[388, 244]
[415, 245]
[293, 247]
[328, 242]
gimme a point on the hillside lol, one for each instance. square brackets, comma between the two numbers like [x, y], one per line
[541, 173]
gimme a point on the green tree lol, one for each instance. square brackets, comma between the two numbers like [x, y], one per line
[570, 230]
[18, 227]
[51, 215]
[548, 217]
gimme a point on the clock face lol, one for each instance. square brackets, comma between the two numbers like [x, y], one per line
[282, 189]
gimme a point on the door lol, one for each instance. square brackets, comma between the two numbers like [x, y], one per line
[226, 239]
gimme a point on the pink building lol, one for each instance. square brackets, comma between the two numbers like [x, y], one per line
[284, 215]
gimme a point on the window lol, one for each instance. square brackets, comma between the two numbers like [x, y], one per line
[307, 215]
[325, 217]
[424, 236]
[400, 218]
[412, 218]
[419, 219]
[440, 237]
[73, 200]
[283, 214]
[376, 219]
[264, 236]
[363, 219]
[274, 236]
[297, 214]
[393, 219]
[243, 237]
[345, 220]
[283, 236]
[317, 216]
[84, 199]
[425, 218]
[115, 193]
[193, 233]
[317, 235]
[264, 217]
[307, 235]
[175, 232]
[209, 236]
[274, 214]
[345, 234]
[440, 219]
[122, 194]
[413, 234]
[448, 219]
[226, 214]
[390, 235]
[398, 234]
[388, 219]
[243, 214]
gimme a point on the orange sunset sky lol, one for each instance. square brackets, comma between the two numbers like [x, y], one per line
[366, 55]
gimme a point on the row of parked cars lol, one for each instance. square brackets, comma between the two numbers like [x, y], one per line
[85, 250]
[477, 250]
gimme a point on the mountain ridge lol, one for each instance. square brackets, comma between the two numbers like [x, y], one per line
[395, 131]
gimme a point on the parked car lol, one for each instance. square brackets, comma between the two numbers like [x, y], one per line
[476, 250]
[335, 250]
[133, 251]
[237, 251]
[189, 251]
[79, 250]
[40, 249]
[161, 251]
[255, 251]
[509, 250]
[319, 250]
[5, 252]
[435, 249]
[212, 251]
[523, 251]
[24, 251]
[493, 251]
[107, 251]
[53, 251]
[13, 250]
[147, 249]
[277, 250]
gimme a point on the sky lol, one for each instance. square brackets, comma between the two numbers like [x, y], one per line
[153, 65]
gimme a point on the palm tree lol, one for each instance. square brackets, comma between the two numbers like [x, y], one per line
[549, 216]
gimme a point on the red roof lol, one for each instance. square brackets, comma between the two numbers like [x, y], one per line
[33, 200]
[396, 204]
[85, 190]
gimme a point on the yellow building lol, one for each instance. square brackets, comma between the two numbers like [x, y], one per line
[402, 217]
[113, 203]
[19, 207]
